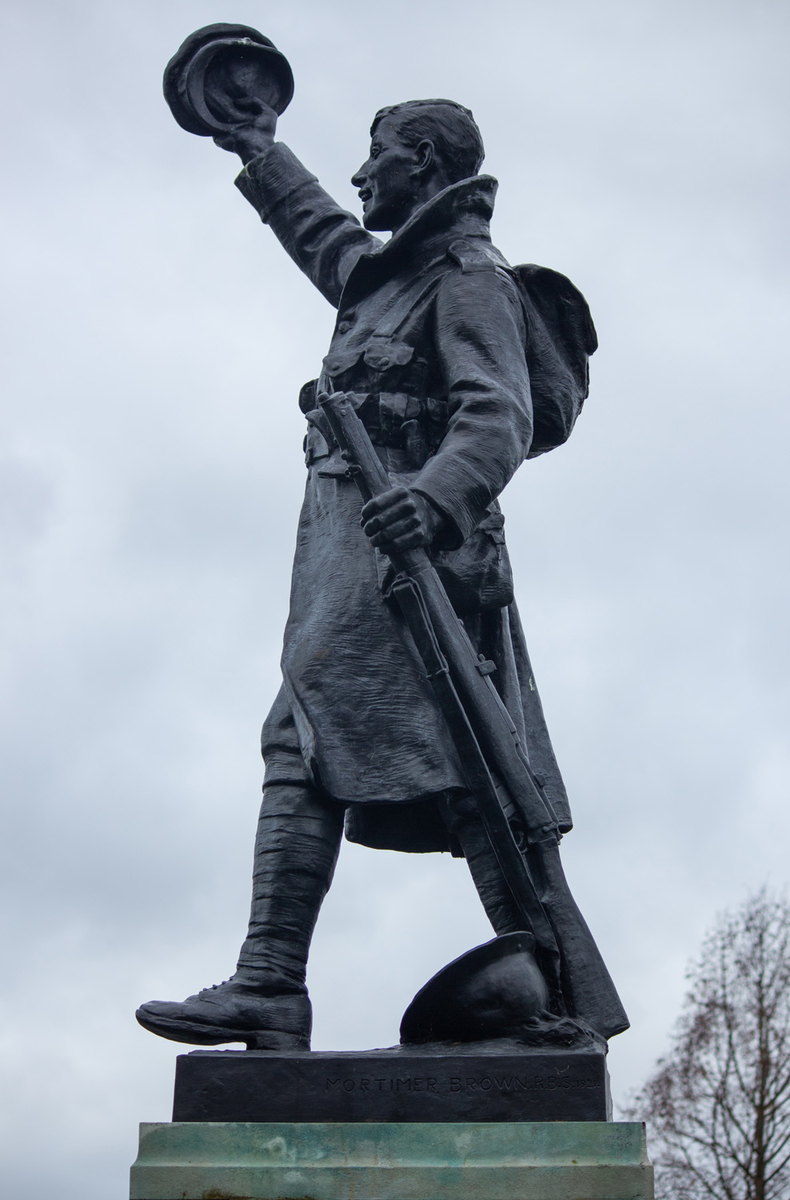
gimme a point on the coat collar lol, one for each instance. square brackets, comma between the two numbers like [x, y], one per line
[463, 208]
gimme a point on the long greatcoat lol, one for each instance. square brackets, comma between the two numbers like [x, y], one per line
[430, 342]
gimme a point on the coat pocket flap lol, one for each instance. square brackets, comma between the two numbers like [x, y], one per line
[382, 353]
[338, 361]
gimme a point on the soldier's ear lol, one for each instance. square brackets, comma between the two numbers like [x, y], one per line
[424, 156]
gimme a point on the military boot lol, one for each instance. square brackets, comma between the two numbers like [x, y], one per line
[265, 1002]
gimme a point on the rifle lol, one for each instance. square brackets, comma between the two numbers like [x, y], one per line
[494, 762]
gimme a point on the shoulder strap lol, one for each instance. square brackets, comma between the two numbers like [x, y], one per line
[408, 298]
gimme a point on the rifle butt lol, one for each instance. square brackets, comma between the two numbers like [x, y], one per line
[587, 985]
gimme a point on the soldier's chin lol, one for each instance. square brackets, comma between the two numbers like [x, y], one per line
[377, 219]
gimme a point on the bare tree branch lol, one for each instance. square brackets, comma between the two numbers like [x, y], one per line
[718, 1106]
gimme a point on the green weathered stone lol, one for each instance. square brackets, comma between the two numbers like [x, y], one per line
[566, 1160]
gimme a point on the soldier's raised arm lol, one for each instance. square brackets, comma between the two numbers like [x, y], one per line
[323, 239]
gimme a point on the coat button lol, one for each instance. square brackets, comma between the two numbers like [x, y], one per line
[383, 364]
[343, 326]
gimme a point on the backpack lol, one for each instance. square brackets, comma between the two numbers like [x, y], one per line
[560, 339]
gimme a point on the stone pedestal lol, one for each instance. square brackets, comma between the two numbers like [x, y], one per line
[495, 1081]
[495, 1121]
[564, 1160]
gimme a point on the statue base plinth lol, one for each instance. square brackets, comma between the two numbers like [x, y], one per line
[586, 1160]
[492, 1081]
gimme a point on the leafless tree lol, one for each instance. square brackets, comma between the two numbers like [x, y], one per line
[718, 1107]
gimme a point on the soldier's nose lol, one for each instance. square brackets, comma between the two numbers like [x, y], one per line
[358, 178]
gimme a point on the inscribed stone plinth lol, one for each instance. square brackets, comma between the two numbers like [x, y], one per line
[402, 1084]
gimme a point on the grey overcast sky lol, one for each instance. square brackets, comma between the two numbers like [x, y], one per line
[150, 454]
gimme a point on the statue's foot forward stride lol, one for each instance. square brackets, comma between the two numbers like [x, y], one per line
[265, 1002]
[234, 1011]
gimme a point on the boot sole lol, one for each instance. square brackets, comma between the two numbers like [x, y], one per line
[194, 1034]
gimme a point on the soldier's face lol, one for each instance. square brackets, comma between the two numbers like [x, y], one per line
[387, 182]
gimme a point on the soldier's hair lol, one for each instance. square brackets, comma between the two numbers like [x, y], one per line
[450, 126]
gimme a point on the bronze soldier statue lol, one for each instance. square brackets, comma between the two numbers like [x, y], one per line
[459, 367]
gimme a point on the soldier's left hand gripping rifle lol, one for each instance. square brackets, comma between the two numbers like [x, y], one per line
[494, 762]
